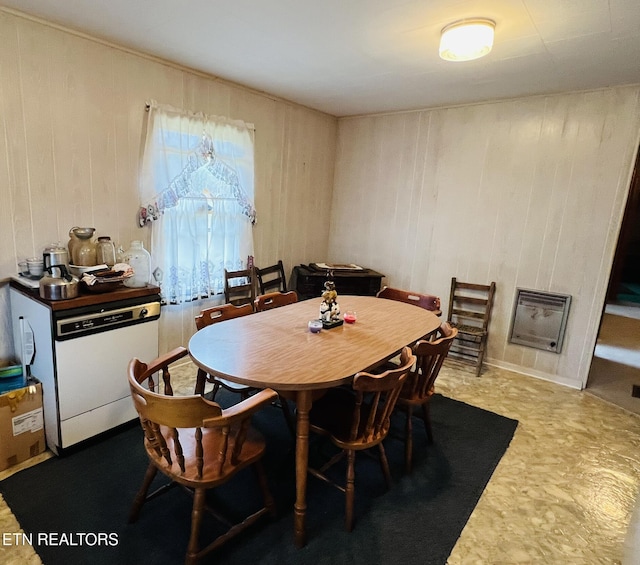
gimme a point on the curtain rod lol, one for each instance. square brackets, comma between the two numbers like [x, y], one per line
[250, 126]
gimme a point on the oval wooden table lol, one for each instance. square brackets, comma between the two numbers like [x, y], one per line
[275, 349]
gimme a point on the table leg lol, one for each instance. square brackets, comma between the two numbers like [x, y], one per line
[303, 405]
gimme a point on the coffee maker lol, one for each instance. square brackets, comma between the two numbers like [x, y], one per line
[56, 260]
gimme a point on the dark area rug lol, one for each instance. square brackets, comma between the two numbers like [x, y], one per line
[64, 503]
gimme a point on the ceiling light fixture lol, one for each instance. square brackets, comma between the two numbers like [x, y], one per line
[466, 40]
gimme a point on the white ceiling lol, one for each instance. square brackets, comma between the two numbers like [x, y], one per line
[347, 57]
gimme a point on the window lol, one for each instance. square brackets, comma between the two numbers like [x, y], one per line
[197, 193]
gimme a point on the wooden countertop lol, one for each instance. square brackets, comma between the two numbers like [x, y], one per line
[86, 298]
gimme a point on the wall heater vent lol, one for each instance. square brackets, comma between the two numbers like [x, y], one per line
[539, 319]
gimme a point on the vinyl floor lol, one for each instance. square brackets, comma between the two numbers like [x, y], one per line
[564, 493]
[616, 361]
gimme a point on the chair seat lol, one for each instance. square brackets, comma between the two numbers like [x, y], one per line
[212, 443]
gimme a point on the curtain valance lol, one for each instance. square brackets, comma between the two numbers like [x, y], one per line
[163, 186]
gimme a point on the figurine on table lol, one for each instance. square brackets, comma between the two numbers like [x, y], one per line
[329, 309]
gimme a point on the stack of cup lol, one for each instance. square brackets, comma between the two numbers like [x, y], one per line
[35, 266]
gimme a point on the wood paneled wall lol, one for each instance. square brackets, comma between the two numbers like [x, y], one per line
[528, 193]
[71, 120]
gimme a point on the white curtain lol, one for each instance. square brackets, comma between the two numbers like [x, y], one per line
[197, 193]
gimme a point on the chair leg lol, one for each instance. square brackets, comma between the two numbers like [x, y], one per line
[288, 417]
[264, 487]
[408, 439]
[201, 379]
[350, 490]
[426, 417]
[385, 466]
[141, 496]
[216, 388]
[196, 519]
[480, 357]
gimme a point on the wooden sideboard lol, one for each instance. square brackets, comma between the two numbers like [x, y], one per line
[309, 282]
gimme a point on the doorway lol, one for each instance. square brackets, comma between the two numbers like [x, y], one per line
[615, 367]
[624, 282]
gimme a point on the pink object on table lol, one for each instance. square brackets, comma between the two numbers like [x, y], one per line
[350, 317]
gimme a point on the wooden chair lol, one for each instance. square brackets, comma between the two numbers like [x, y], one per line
[470, 311]
[274, 300]
[239, 287]
[426, 301]
[196, 444]
[210, 316]
[357, 419]
[418, 388]
[271, 279]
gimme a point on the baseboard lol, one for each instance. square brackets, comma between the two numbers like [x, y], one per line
[533, 373]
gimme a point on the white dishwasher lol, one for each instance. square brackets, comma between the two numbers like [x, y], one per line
[81, 354]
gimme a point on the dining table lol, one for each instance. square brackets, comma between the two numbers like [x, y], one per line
[276, 349]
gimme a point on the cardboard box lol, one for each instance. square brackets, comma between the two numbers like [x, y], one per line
[21, 425]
